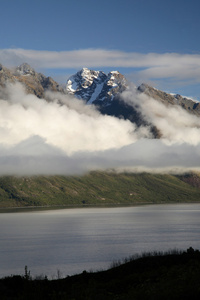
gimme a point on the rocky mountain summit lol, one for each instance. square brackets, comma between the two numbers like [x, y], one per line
[104, 91]
[34, 83]
[96, 87]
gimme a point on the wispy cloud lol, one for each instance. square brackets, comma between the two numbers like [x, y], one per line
[154, 65]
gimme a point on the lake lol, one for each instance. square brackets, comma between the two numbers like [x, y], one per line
[73, 240]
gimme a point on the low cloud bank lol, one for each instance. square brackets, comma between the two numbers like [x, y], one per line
[65, 136]
[65, 123]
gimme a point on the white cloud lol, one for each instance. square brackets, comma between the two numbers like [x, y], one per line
[34, 131]
[154, 65]
[63, 122]
[174, 123]
[65, 136]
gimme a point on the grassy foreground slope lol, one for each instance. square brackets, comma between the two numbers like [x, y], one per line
[98, 188]
[155, 276]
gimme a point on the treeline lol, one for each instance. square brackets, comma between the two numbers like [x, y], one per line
[153, 276]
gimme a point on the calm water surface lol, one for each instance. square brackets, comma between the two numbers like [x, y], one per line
[73, 240]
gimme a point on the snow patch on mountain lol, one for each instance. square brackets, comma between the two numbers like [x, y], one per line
[72, 86]
[94, 86]
[96, 93]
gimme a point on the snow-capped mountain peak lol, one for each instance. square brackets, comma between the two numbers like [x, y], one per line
[96, 86]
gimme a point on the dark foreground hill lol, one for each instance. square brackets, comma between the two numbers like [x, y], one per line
[173, 275]
[98, 188]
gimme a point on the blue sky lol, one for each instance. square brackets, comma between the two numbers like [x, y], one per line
[147, 40]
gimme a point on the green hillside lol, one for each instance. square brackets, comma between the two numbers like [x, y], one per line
[98, 188]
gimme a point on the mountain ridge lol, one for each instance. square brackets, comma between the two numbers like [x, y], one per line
[187, 104]
[104, 91]
[85, 79]
[34, 83]
[95, 87]
[109, 100]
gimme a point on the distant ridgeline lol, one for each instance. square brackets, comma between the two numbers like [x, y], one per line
[95, 87]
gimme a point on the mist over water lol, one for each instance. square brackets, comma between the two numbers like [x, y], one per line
[65, 136]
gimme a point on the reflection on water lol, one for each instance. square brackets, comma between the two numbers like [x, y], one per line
[73, 240]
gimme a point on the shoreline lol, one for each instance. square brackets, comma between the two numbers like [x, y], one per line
[58, 207]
